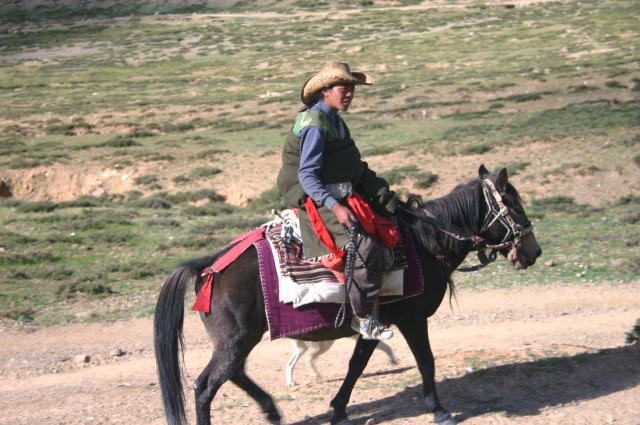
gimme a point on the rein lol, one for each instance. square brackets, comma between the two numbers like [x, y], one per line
[497, 213]
[349, 265]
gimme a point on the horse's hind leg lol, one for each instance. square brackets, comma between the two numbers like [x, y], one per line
[258, 394]
[227, 363]
[206, 386]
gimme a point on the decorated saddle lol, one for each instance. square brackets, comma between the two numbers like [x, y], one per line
[302, 281]
[303, 295]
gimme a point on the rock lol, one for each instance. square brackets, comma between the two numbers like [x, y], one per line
[81, 359]
[117, 352]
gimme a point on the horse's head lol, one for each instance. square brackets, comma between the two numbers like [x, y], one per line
[505, 224]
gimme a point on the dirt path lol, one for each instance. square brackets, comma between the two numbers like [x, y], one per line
[531, 355]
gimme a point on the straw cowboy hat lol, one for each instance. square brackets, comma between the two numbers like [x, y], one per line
[332, 73]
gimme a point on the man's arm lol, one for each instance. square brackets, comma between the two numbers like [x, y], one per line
[311, 150]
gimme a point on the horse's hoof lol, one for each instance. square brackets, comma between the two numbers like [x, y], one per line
[444, 418]
[274, 418]
[346, 421]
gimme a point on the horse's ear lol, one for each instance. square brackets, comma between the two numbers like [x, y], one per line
[483, 172]
[501, 181]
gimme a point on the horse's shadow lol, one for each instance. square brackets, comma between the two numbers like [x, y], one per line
[520, 389]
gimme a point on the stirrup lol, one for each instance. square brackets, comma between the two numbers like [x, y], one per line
[371, 328]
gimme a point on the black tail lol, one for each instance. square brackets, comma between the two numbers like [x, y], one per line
[169, 339]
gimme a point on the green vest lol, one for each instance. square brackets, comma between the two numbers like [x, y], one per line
[341, 158]
[341, 162]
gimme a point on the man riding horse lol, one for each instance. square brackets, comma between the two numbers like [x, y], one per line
[333, 190]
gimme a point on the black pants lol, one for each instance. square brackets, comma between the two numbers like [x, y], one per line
[367, 276]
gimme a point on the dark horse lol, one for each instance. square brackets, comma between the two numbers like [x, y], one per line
[480, 214]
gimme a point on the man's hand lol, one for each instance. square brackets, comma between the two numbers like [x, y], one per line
[387, 202]
[344, 215]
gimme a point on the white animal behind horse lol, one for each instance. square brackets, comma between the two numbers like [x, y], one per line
[319, 348]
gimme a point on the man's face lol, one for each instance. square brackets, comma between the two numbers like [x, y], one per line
[338, 97]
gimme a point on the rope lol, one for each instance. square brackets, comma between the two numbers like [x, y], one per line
[349, 265]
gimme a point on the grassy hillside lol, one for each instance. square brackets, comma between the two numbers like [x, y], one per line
[132, 140]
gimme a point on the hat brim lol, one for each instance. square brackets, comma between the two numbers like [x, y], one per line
[322, 80]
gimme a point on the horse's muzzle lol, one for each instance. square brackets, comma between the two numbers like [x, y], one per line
[525, 255]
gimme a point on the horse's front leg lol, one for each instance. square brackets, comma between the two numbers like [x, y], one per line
[359, 359]
[417, 336]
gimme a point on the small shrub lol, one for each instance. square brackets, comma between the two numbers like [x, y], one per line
[19, 314]
[13, 259]
[10, 203]
[513, 167]
[10, 240]
[71, 289]
[268, 200]
[181, 179]
[628, 200]
[631, 141]
[397, 175]
[634, 336]
[210, 152]
[157, 157]
[527, 97]
[146, 180]
[121, 142]
[582, 88]
[181, 197]
[476, 149]
[109, 236]
[58, 127]
[204, 172]
[152, 203]
[163, 222]
[143, 132]
[18, 275]
[588, 171]
[86, 201]
[53, 273]
[35, 207]
[555, 201]
[564, 204]
[378, 150]
[425, 179]
[615, 85]
[133, 195]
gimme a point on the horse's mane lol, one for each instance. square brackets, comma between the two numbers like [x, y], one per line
[430, 222]
[446, 213]
[456, 213]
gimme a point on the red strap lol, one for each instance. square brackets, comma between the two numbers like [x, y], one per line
[375, 225]
[203, 301]
[321, 229]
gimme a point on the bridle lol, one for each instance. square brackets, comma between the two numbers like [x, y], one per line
[497, 214]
